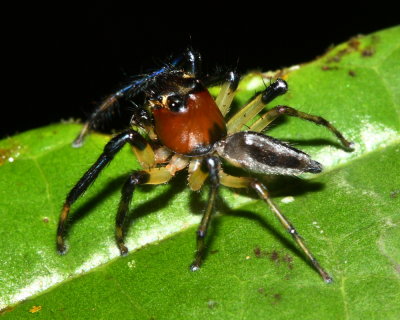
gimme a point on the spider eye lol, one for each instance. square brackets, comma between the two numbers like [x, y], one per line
[176, 103]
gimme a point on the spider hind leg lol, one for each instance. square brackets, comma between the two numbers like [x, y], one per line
[262, 191]
[213, 165]
[259, 153]
[278, 111]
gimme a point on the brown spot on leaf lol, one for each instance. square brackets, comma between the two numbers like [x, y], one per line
[352, 73]
[354, 43]
[328, 68]
[277, 297]
[368, 52]
[338, 56]
[274, 256]
[289, 261]
[257, 252]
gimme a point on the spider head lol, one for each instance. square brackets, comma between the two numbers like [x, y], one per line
[186, 117]
[172, 90]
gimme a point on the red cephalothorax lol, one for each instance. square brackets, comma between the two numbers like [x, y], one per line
[189, 124]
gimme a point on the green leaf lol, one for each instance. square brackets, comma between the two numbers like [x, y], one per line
[349, 215]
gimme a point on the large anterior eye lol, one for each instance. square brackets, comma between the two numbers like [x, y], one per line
[176, 103]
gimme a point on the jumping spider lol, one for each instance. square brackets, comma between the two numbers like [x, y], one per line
[181, 126]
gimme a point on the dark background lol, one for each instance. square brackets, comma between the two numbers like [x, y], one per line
[64, 60]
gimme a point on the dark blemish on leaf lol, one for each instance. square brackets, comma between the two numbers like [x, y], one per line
[277, 298]
[214, 251]
[368, 52]
[338, 56]
[211, 304]
[289, 261]
[328, 68]
[394, 194]
[354, 43]
[352, 73]
[274, 256]
[45, 220]
[271, 295]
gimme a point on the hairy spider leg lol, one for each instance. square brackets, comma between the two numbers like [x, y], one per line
[213, 165]
[97, 117]
[244, 182]
[256, 104]
[198, 173]
[227, 92]
[150, 176]
[110, 150]
[157, 175]
[277, 111]
[136, 178]
[194, 59]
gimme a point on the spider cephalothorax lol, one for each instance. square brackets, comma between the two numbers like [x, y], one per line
[183, 127]
[186, 118]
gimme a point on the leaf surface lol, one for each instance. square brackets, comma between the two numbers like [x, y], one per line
[349, 215]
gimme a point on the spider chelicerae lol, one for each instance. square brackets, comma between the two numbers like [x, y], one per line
[180, 126]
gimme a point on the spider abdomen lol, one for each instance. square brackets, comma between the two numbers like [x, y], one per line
[263, 154]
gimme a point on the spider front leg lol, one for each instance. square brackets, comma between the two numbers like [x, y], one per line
[213, 165]
[227, 92]
[110, 150]
[101, 114]
[277, 111]
[95, 117]
[193, 58]
[256, 104]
